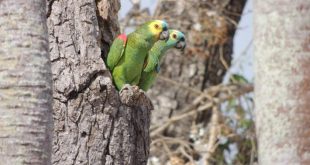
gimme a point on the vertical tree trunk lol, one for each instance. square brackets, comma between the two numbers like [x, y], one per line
[282, 89]
[93, 123]
[25, 84]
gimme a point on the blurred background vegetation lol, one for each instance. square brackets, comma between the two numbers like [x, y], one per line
[203, 97]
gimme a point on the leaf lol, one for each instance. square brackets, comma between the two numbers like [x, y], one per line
[237, 78]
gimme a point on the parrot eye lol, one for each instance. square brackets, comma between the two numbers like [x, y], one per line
[174, 36]
[156, 26]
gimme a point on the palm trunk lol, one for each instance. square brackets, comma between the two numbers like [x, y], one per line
[25, 84]
[282, 51]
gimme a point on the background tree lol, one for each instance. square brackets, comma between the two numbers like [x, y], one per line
[282, 51]
[93, 123]
[25, 84]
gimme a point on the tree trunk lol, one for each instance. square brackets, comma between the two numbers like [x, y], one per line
[94, 124]
[282, 89]
[25, 84]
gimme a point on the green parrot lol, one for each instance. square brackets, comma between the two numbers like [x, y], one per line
[127, 54]
[152, 64]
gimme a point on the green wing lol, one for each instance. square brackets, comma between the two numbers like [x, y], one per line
[147, 80]
[149, 73]
[116, 51]
[152, 61]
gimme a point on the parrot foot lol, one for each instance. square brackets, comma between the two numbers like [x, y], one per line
[132, 95]
[133, 88]
[142, 92]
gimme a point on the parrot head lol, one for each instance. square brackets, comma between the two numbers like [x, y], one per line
[176, 39]
[158, 29]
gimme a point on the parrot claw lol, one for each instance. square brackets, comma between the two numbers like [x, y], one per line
[142, 91]
[132, 95]
[133, 88]
[125, 87]
[136, 89]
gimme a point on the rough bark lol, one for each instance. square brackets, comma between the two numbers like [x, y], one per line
[282, 89]
[94, 124]
[25, 84]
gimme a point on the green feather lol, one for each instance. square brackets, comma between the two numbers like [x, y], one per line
[126, 60]
[154, 57]
[115, 53]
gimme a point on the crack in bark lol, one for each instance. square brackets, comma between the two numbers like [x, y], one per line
[49, 7]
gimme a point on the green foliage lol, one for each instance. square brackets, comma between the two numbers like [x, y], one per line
[237, 114]
[236, 78]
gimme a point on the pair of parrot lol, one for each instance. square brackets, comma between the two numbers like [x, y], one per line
[135, 59]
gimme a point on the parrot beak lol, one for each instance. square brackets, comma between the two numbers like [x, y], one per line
[164, 35]
[181, 45]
